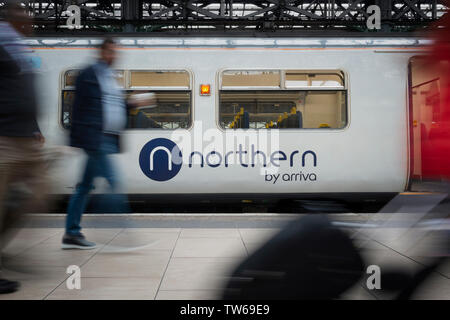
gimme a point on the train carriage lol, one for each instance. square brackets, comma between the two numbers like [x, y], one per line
[253, 118]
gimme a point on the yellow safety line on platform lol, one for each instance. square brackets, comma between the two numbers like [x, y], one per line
[418, 193]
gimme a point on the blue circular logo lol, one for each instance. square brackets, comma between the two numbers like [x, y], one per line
[160, 159]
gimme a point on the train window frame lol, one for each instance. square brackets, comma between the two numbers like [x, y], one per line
[127, 87]
[283, 88]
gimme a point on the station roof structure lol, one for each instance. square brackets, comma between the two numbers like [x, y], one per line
[231, 17]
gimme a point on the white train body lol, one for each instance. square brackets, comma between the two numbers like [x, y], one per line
[370, 154]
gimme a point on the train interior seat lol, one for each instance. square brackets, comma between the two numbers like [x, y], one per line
[245, 120]
[241, 120]
[292, 120]
[295, 119]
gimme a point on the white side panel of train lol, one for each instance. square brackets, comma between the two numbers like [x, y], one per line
[370, 155]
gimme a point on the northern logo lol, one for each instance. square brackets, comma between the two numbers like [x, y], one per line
[160, 159]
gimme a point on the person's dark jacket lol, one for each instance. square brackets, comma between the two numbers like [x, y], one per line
[18, 102]
[87, 113]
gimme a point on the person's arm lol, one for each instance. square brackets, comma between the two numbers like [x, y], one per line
[88, 105]
[9, 67]
[133, 102]
[81, 112]
[7, 64]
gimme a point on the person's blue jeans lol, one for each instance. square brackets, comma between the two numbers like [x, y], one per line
[98, 165]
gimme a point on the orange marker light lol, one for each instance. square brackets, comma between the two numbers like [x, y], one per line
[205, 90]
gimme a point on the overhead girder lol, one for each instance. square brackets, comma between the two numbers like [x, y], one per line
[234, 15]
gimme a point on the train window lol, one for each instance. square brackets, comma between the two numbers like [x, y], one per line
[294, 79]
[172, 111]
[172, 92]
[67, 102]
[252, 78]
[174, 79]
[71, 75]
[67, 93]
[70, 78]
[302, 100]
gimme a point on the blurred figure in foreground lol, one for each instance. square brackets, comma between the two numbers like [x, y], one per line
[313, 258]
[438, 63]
[99, 117]
[22, 165]
[308, 259]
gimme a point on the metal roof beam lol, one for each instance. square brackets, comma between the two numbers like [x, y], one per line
[268, 15]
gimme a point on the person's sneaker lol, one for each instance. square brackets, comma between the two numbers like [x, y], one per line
[7, 286]
[77, 242]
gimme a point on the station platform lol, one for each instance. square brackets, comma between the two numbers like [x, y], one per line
[177, 256]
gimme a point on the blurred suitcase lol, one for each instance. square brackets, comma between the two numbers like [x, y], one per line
[309, 259]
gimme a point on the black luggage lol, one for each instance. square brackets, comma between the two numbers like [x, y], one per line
[309, 259]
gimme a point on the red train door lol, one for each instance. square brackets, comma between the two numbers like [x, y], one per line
[429, 119]
[424, 92]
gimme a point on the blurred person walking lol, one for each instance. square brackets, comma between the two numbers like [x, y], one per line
[22, 165]
[99, 115]
[439, 134]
